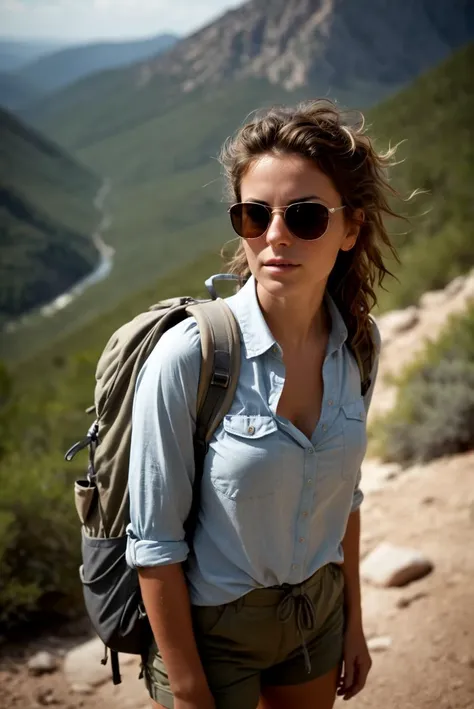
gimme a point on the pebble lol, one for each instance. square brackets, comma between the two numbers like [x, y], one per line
[42, 662]
[406, 601]
[380, 644]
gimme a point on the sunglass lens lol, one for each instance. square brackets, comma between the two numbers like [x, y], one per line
[308, 220]
[249, 220]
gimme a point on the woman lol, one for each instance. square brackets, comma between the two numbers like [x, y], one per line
[267, 611]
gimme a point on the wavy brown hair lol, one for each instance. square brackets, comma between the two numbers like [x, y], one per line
[340, 147]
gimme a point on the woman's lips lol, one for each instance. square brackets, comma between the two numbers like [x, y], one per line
[280, 267]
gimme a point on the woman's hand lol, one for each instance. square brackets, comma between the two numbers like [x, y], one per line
[202, 702]
[199, 698]
[357, 662]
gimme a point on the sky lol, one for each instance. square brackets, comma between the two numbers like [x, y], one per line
[82, 20]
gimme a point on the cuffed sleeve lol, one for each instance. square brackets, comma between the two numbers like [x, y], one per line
[358, 496]
[161, 472]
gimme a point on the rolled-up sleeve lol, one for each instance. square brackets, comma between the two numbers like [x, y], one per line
[358, 496]
[161, 472]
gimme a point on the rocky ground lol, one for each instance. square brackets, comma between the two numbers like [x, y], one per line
[421, 634]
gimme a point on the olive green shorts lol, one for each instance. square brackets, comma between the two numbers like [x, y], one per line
[271, 636]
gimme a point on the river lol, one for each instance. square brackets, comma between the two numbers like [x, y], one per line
[100, 272]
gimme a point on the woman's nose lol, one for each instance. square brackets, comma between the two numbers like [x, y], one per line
[277, 232]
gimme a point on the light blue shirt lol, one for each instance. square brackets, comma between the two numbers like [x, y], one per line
[275, 504]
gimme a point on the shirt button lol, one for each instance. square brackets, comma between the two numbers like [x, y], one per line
[325, 428]
[251, 430]
[310, 450]
[309, 481]
[330, 402]
[304, 514]
[301, 540]
[294, 566]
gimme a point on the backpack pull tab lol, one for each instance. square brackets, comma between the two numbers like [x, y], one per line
[80, 445]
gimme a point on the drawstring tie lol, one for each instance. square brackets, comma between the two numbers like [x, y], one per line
[297, 603]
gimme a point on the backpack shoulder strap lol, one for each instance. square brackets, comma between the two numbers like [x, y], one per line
[220, 369]
[220, 364]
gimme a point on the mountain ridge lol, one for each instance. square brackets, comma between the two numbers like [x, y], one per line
[56, 70]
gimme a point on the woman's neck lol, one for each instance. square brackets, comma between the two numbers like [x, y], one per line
[292, 323]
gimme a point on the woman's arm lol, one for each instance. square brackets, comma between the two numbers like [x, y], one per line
[357, 661]
[350, 569]
[161, 479]
[166, 600]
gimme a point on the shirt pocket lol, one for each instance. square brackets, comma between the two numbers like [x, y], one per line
[355, 437]
[241, 465]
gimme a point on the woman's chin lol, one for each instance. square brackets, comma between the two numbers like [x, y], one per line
[278, 284]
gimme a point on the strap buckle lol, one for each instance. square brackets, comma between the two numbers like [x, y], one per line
[220, 378]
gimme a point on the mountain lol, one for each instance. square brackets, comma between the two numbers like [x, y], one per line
[56, 70]
[169, 217]
[47, 214]
[16, 93]
[358, 53]
[16, 53]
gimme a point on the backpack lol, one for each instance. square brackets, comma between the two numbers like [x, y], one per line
[110, 587]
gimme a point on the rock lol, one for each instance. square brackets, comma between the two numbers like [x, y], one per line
[455, 286]
[380, 644]
[82, 665]
[398, 321]
[81, 689]
[468, 290]
[45, 697]
[432, 299]
[389, 565]
[41, 663]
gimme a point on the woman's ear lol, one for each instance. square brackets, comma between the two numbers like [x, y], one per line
[353, 229]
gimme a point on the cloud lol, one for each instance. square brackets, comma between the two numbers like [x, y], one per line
[84, 19]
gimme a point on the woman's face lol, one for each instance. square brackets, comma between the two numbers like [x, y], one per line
[278, 181]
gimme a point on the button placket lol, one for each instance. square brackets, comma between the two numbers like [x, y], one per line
[302, 522]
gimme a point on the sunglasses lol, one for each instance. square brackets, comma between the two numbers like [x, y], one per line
[305, 220]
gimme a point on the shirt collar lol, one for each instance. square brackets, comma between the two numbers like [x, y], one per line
[256, 335]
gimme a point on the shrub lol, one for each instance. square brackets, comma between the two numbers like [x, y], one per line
[39, 529]
[39, 539]
[434, 411]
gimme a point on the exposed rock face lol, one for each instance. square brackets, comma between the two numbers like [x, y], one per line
[405, 333]
[297, 43]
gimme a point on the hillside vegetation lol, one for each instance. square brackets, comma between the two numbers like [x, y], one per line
[434, 118]
[47, 215]
[434, 410]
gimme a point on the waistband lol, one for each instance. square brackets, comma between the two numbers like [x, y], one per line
[272, 595]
